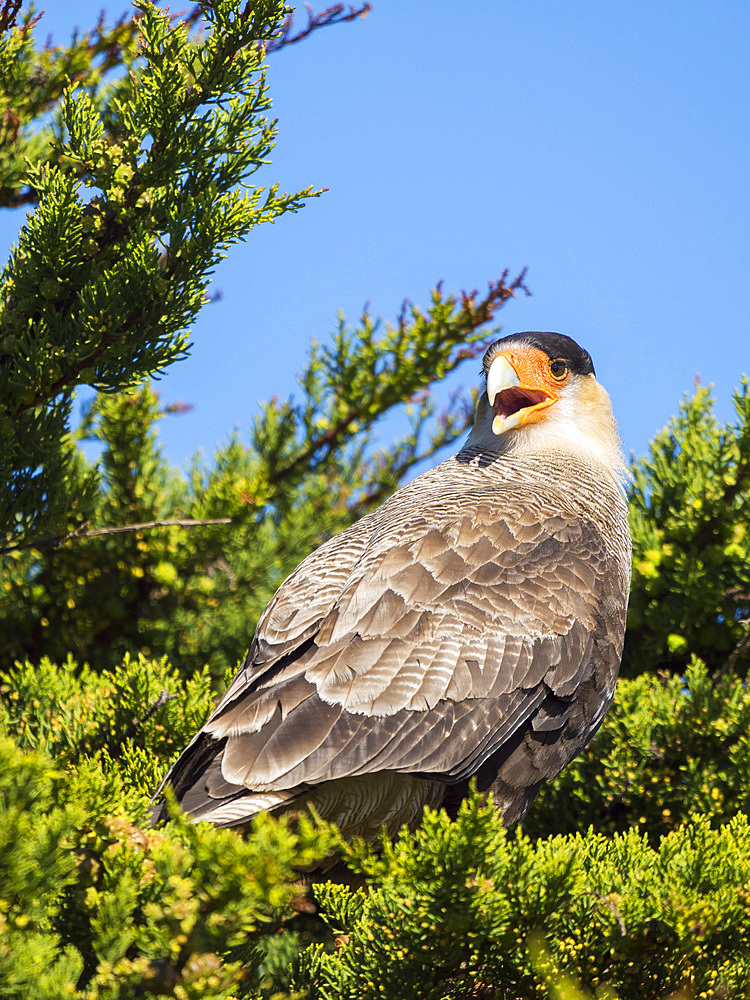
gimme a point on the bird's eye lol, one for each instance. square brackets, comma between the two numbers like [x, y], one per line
[558, 368]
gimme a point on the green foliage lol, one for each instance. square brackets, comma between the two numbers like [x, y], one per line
[690, 520]
[95, 905]
[148, 183]
[34, 81]
[79, 596]
[140, 143]
[453, 910]
[72, 713]
[456, 907]
[36, 866]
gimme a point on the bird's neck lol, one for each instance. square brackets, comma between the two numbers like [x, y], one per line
[584, 439]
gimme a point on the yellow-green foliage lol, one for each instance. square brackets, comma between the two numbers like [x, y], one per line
[194, 594]
[71, 712]
[690, 520]
[632, 877]
[456, 906]
[453, 910]
[37, 864]
[143, 180]
[93, 906]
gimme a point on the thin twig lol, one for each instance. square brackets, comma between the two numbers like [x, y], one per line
[173, 522]
[117, 529]
[337, 14]
[8, 14]
[136, 724]
[610, 905]
[9, 11]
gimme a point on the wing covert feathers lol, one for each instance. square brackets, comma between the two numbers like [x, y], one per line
[472, 626]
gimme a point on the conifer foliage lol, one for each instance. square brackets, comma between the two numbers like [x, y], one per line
[690, 510]
[148, 181]
[129, 591]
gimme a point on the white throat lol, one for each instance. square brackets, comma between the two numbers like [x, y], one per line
[580, 425]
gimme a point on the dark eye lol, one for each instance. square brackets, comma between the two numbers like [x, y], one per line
[558, 368]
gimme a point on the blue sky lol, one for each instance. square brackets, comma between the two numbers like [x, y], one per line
[605, 147]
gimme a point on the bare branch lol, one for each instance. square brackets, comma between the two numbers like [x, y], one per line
[337, 14]
[471, 316]
[9, 11]
[117, 529]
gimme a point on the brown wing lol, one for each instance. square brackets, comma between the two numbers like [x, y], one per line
[414, 643]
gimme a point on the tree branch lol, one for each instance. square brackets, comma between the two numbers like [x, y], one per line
[471, 316]
[327, 440]
[118, 529]
[337, 14]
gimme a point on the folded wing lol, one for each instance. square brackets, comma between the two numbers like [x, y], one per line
[468, 638]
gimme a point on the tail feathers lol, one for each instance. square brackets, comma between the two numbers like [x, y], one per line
[231, 810]
[238, 809]
[205, 794]
[360, 805]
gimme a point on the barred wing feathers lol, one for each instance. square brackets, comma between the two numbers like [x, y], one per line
[444, 636]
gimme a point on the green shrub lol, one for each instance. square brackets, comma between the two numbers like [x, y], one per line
[455, 909]
[690, 520]
[93, 906]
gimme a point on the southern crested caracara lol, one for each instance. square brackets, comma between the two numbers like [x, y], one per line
[471, 627]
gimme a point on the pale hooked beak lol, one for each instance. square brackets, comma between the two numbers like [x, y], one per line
[512, 402]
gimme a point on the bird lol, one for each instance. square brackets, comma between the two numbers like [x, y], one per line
[470, 629]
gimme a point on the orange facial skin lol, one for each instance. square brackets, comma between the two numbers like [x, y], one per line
[533, 368]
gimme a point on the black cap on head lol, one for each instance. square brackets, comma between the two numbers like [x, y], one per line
[554, 345]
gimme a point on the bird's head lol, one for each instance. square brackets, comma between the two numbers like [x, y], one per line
[542, 396]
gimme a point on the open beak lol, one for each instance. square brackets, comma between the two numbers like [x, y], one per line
[514, 401]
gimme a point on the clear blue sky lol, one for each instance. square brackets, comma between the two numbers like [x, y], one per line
[604, 146]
